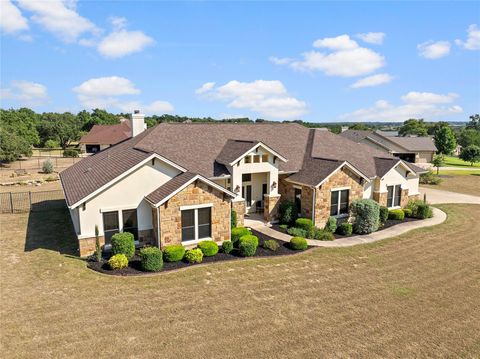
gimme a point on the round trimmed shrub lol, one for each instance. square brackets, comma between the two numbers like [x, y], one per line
[209, 248]
[248, 245]
[298, 243]
[383, 214]
[305, 224]
[323, 235]
[396, 214]
[297, 232]
[287, 212]
[271, 244]
[424, 211]
[70, 152]
[331, 225]
[227, 246]
[237, 233]
[194, 256]
[366, 215]
[151, 259]
[345, 229]
[123, 243]
[408, 212]
[47, 166]
[173, 253]
[118, 261]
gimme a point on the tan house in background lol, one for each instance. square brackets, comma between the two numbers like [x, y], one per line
[178, 183]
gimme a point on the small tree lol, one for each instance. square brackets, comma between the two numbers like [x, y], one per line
[445, 140]
[470, 154]
[98, 250]
[438, 161]
[47, 166]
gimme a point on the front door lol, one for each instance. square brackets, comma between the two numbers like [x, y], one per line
[298, 200]
[247, 195]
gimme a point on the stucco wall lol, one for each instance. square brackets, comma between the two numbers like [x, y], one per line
[424, 157]
[396, 176]
[195, 194]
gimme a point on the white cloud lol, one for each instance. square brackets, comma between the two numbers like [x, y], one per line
[106, 93]
[415, 105]
[434, 50]
[473, 38]
[205, 88]
[60, 18]
[280, 60]
[346, 59]
[121, 42]
[268, 98]
[25, 92]
[373, 80]
[11, 19]
[375, 38]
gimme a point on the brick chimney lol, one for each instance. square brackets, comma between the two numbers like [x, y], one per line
[138, 123]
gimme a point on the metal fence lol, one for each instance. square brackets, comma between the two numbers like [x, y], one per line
[21, 202]
[36, 163]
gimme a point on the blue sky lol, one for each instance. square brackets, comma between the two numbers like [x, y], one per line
[316, 61]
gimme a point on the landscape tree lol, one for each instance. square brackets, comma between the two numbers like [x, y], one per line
[445, 140]
[474, 123]
[13, 146]
[469, 136]
[438, 161]
[21, 122]
[413, 127]
[359, 127]
[470, 154]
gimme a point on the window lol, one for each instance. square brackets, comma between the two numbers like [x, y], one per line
[265, 158]
[248, 159]
[196, 224]
[256, 158]
[110, 225]
[246, 177]
[264, 189]
[339, 202]
[130, 222]
[298, 200]
[394, 196]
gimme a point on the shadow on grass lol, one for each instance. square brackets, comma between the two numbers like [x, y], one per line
[53, 230]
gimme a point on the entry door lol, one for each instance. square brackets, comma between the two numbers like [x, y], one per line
[247, 194]
[110, 225]
[298, 200]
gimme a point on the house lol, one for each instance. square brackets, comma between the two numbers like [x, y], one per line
[178, 183]
[101, 137]
[411, 149]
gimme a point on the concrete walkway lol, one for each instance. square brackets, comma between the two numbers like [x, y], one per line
[438, 217]
[435, 196]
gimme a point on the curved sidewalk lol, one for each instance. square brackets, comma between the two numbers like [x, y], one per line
[435, 196]
[438, 217]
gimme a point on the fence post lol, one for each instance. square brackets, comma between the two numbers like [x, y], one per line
[30, 200]
[11, 202]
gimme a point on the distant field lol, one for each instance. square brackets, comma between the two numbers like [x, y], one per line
[451, 161]
[467, 182]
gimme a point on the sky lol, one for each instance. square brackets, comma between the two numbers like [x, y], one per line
[314, 61]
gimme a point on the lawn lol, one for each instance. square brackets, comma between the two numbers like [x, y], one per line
[451, 161]
[467, 182]
[413, 296]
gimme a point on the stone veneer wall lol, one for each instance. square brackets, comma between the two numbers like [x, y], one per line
[381, 198]
[287, 192]
[195, 194]
[239, 207]
[342, 178]
[270, 209]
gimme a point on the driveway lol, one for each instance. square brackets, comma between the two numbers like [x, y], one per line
[435, 196]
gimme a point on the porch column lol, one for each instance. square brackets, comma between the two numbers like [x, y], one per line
[270, 209]
[238, 205]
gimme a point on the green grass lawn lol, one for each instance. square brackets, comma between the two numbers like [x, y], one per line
[414, 296]
[451, 161]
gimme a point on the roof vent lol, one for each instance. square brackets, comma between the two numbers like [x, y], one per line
[88, 169]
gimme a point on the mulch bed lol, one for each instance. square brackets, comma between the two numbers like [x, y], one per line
[135, 268]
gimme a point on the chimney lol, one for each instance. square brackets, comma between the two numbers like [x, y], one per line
[138, 123]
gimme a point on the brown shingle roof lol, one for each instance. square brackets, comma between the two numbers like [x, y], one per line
[315, 171]
[169, 187]
[415, 143]
[234, 149]
[108, 134]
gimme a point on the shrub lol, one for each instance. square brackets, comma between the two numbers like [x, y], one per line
[424, 211]
[118, 261]
[173, 253]
[227, 246]
[298, 243]
[151, 258]
[323, 235]
[209, 248]
[70, 152]
[233, 218]
[408, 212]
[297, 232]
[366, 215]
[237, 233]
[383, 214]
[271, 244]
[305, 224]
[123, 243]
[47, 166]
[248, 245]
[194, 255]
[287, 212]
[345, 229]
[429, 178]
[284, 227]
[331, 225]
[98, 249]
[51, 144]
[396, 214]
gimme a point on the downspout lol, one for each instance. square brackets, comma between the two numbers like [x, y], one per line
[158, 227]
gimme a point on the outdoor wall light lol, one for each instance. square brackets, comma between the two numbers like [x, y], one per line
[237, 189]
[274, 185]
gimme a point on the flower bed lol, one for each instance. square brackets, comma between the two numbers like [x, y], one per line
[135, 267]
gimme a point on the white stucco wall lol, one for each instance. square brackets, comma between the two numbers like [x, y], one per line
[397, 176]
[367, 190]
[75, 220]
[128, 193]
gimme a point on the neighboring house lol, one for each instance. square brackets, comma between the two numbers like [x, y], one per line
[177, 183]
[411, 149]
[101, 137]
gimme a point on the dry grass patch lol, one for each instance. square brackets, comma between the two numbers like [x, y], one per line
[413, 296]
[468, 183]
